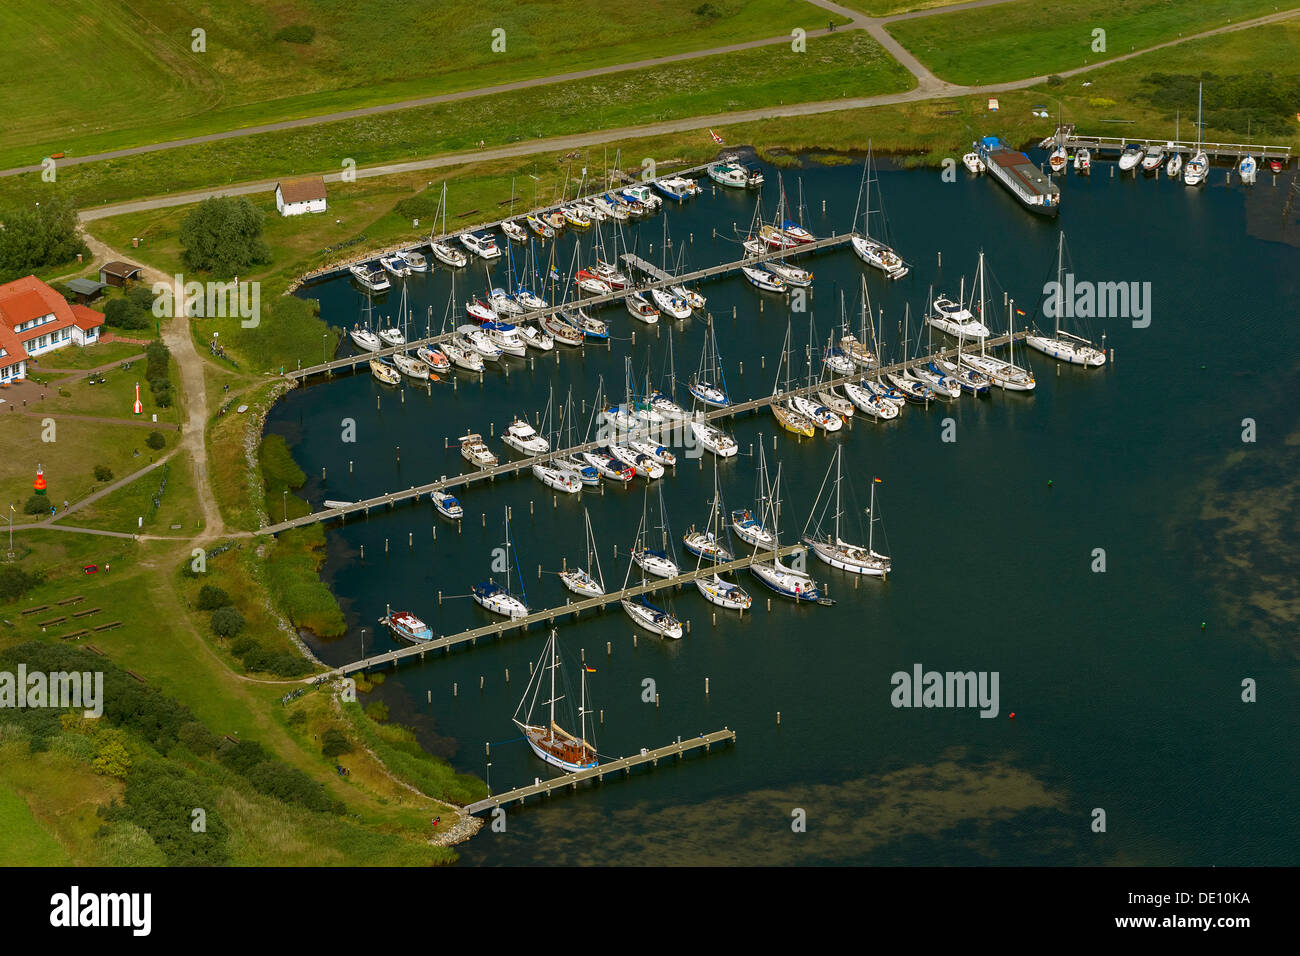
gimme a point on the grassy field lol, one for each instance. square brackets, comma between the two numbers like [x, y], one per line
[119, 511]
[84, 357]
[23, 842]
[847, 64]
[1011, 41]
[147, 83]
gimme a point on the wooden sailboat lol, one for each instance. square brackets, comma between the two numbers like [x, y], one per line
[549, 741]
[787, 415]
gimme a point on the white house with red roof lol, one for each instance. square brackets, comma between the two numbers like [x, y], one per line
[35, 319]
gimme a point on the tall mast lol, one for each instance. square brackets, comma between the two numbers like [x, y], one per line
[838, 451]
[981, 271]
[555, 659]
[582, 708]
[871, 519]
[1060, 294]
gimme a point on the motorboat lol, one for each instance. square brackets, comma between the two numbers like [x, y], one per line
[448, 254]
[369, 276]
[536, 338]
[556, 478]
[973, 163]
[592, 284]
[392, 337]
[643, 195]
[1131, 156]
[523, 438]
[411, 367]
[790, 275]
[480, 311]
[735, 176]
[540, 229]
[764, 280]
[395, 264]
[482, 243]
[1082, 161]
[514, 232]
[880, 256]
[434, 357]
[640, 309]
[448, 505]
[955, 319]
[560, 329]
[679, 188]
[417, 261]
[506, 337]
[1154, 159]
[474, 338]
[364, 339]
[475, 451]
[608, 466]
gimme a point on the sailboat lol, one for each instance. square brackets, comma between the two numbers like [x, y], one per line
[1063, 346]
[665, 404]
[875, 252]
[787, 414]
[579, 580]
[1198, 167]
[365, 339]
[658, 562]
[708, 385]
[497, 599]
[834, 550]
[551, 742]
[748, 526]
[445, 252]
[777, 576]
[954, 318]
[409, 365]
[821, 416]
[1004, 373]
[641, 611]
[706, 546]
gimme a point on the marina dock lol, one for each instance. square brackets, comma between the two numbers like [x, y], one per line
[624, 764]
[352, 361]
[415, 492]
[1073, 140]
[549, 616]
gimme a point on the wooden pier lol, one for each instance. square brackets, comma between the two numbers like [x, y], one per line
[1073, 140]
[575, 608]
[624, 764]
[415, 492]
[352, 361]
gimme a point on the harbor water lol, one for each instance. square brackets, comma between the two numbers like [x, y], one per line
[1126, 684]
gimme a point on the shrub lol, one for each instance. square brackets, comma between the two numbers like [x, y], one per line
[125, 314]
[378, 712]
[198, 739]
[141, 296]
[155, 440]
[103, 473]
[297, 33]
[334, 743]
[212, 597]
[227, 622]
[111, 758]
[163, 398]
[1055, 80]
[297, 716]
[36, 504]
[15, 582]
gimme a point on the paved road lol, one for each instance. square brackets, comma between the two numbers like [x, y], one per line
[923, 91]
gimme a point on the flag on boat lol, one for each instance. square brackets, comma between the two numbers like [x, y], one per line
[589, 669]
[1020, 311]
[716, 138]
[879, 481]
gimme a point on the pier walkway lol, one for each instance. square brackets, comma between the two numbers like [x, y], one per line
[598, 773]
[549, 616]
[415, 492]
[1073, 140]
[352, 361]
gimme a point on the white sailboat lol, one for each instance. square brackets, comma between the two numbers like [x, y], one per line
[579, 580]
[875, 252]
[774, 573]
[644, 614]
[834, 550]
[1064, 346]
[497, 599]
[1004, 373]
[707, 546]
[1198, 167]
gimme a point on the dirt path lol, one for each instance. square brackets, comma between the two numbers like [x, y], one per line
[176, 336]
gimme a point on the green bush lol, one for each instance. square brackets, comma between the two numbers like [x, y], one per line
[212, 597]
[103, 473]
[198, 739]
[334, 742]
[125, 314]
[297, 33]
[36, 236]
[160, 798]
[36, 504]
[227, 622]
[15, 582]
[274, 778]
[155, 440]
[378, 712]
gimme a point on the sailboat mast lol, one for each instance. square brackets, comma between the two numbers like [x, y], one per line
[838, 452]
[1060, 294]
[871, 519]
[555, 659]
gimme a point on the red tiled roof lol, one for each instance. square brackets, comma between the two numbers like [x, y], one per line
[302, 190]
[86, 319]
[29, 298]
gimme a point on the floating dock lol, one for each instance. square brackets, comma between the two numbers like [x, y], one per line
[389, 499]
[352, 361]
[575, 608]
[598, 773]
[1073, 140]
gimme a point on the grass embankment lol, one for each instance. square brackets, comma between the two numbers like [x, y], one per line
[149, 85]
[848, 64]
[69, 773]
[1011, 41]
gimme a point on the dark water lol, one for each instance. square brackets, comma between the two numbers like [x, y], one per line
[1122, 701]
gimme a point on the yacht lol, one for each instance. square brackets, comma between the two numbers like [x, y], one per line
[482, 243]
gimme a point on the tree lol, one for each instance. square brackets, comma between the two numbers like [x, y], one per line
[15, 582]
[212, 597]
[155, 440]
[334, 743]
[125, 314]
[227, 622]
[103, 473]
[223, 235]
[36, 504]
[111, 758]
[44, 234]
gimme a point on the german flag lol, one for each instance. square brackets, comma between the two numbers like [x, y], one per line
[589, 670]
